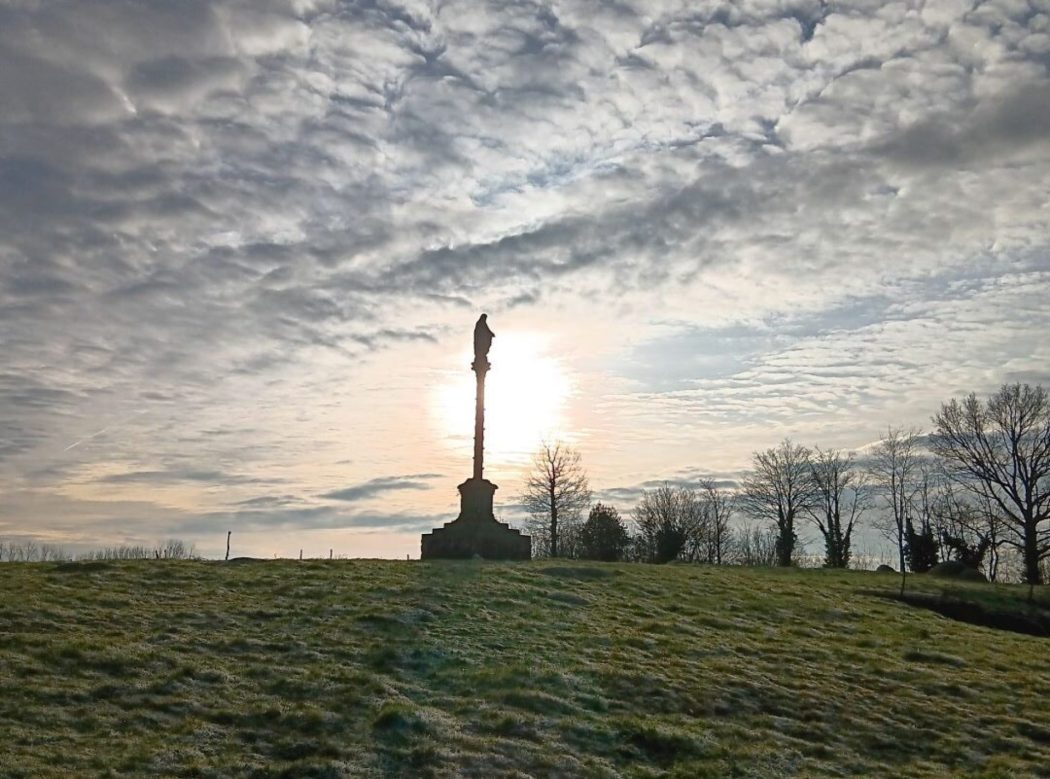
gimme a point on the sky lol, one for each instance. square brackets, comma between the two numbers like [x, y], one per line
[243, 245]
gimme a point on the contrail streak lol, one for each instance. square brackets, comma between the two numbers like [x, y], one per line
[103, 430]
[86, 438]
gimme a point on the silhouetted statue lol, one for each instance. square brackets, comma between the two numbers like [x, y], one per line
[482, 339]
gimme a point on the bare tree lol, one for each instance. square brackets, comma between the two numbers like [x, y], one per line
[920, 537]
[989, 523]
[54, 553]
[175, 549]
[717, 507]
[843, 495]
[781, 486]
[682, 522]
[895, 471]
[968, 527]
[665, 518]
[556, 492]
[694, 520]
[754, 546]
[1000, 450]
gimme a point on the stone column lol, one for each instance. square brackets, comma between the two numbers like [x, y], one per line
[480, 368]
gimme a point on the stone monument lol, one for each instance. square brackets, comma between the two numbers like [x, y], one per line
[475, 532]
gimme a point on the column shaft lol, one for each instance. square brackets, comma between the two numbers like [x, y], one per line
[479, 423]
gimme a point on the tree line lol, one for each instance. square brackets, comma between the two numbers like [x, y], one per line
[973, 487]
[31, 552]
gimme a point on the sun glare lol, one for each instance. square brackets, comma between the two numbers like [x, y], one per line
[525, 398]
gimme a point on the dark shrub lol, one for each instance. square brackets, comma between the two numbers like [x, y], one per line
[955, 569]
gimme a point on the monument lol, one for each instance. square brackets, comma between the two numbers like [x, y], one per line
[475, 532]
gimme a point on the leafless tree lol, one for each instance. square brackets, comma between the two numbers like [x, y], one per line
[694, 521]
[843, 495]
[666, 519]
[990, 525]
[754, 546]
[780, 486]
[717, 508]
[119, 553]
[895, 471]
[54, 553]
[921, 548]
[556, 494]
[175, 549]
[1000, 450]
[969, 528]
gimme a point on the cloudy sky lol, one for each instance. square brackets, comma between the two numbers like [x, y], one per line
[243, 245]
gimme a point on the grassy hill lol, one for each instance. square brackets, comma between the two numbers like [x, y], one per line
[369, 668]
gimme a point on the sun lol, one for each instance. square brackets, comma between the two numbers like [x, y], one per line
[526, 394]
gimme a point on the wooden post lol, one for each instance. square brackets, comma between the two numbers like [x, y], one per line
[329, 554]
[228, 534]
[300, 554]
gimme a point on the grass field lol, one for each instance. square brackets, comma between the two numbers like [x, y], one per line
[367, 668]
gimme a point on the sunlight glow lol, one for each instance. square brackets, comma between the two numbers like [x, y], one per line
[525, 399]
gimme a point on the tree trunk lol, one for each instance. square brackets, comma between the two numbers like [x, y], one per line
[786, 543]
[904, 569]
[834, 544]
[554, 526]
[1032, 574]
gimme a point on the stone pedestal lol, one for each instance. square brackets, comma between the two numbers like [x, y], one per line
[475, 532]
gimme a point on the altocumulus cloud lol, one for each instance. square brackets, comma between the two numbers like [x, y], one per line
[374, 487]
[208, 210]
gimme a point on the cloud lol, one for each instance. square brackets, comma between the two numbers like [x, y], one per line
[269, 501]
[181, 475]
[383, 484]
[999, 126]
[626, 497]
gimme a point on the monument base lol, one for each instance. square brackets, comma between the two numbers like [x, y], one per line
[475, 532]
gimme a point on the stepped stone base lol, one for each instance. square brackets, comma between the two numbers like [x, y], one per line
[475, 532]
